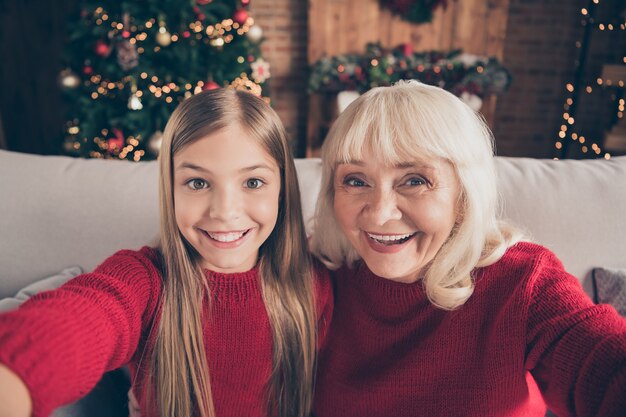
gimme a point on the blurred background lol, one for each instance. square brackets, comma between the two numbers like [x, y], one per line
[98, 79]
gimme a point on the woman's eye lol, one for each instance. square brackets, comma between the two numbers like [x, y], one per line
[197, 184]
[254, 183]
[354, 182]
[413, 182]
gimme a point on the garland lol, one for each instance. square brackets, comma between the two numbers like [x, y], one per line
[454, 71]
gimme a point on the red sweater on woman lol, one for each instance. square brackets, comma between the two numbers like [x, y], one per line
[528, 329]
[61, 342]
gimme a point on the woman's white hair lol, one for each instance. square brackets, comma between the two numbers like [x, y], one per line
[406, 122]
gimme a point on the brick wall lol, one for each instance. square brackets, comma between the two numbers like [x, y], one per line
[284, 24]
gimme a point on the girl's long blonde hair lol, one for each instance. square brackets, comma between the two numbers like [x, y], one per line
[179, 367]
[410, 121]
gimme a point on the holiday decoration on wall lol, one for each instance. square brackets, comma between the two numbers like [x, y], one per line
[416, 11]
[468, 76]
[128, 64]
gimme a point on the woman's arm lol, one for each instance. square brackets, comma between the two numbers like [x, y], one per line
[576, 350]
[14, 396]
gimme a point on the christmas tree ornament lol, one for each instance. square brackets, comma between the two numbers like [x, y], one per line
[134, 102]
[407, 49]
[260, 70]
[240, 16]
[117, 141]
[255, 33]
[154, 143]
[217, 42]
[69, 147]
[102, 48]
[68, 79]
[127, 56]
[245, 3]
[126, 22]
[203, 2]
[210, 85]
[163, 38]
[87, 70]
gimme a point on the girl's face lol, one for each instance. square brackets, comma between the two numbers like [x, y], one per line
[396, 217]
[226, 196]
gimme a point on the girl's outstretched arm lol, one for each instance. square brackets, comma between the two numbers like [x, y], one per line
[14, 396]
[61, 342]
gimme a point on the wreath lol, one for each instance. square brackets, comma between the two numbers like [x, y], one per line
[416, 11]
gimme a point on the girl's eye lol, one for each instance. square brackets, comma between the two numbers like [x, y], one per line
[415, 181]
[354, 182]
[197, 184]
[254, 183]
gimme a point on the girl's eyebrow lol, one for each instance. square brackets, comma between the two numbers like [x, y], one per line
[188, 165]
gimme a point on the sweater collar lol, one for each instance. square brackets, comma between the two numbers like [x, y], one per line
[388, 298]
[233, 286]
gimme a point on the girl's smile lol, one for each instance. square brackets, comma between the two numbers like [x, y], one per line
[227, 240]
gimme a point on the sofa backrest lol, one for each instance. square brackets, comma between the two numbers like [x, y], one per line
[58, 211]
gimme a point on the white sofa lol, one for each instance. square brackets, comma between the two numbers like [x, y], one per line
[57, 212]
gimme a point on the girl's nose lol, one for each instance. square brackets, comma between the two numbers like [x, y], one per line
[225, 205]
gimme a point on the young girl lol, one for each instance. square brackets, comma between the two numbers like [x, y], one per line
[222, 318]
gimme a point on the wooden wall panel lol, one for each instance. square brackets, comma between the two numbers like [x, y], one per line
[346, 26]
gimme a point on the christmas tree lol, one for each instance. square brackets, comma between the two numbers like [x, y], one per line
[128, 64]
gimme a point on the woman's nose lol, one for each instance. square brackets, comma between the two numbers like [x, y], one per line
[383, 207]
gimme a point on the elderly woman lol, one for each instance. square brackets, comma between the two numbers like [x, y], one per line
[442, 310]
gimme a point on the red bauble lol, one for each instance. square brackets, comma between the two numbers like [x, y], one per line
[102, 48]
[125, 34]
[88, 70]
[116, 142]
[240, 16]
[245, 3]
[203, 2]
[186, 34]
[210, 85]
[407, 49]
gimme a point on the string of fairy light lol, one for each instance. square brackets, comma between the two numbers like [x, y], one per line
[568, 132]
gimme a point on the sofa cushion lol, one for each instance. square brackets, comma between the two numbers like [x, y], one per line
[610, 287]
[49, 283]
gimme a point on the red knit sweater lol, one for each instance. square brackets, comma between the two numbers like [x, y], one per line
[61, 342]
[389, 352]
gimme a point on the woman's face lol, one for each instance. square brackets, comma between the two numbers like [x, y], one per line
[396, 217]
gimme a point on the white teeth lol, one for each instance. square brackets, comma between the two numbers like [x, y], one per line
[386, 238]
[226, 237]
